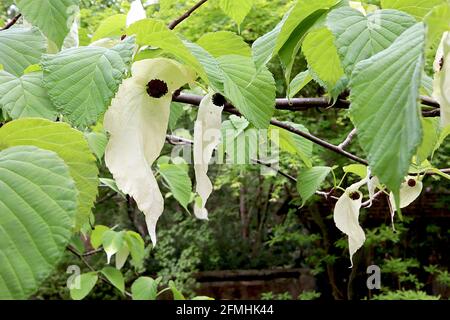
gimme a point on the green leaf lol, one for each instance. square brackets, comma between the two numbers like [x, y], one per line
[37, 204]
[179, 182]
[87, 282]
[176, 112]
[110, 183]
[82, 81]
[136, 246]
[236, 9]
[271, 43]
[20, 48]
[358, 169]
[223, 43]
[309, 181]
[321, 54]
[437, 21]
[431, 132]
[416, 8]
[144, 288]
[385, 108]
[97, 142]
[155, 33]
[70, 145]
[214, 75]
[177, 295]
[97, 235]
[298, 83]
[115, 277]
[295, 144]
[53, 17]
[358, 37]
[251, 92]
[113, 26]
[112, 242]
[25, 96]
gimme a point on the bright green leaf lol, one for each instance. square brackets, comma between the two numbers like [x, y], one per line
[298, 83]
[177, 295]
[70, 145]
[144, 288]
[37, 204]
[236, 9]
[309, 181]
[86, 283]
[223, 43]
[115, 277]
[416, 8]
[97, 235]
[179, 182]
[358, 169]
[322, 56]
[431, 132]
[113, 26]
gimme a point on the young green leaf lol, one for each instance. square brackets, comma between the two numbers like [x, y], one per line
[223, 43]
[418, 8]
[97, 235]
[388, 123]
[179, 182]
[236, 9]
[112, 242]
[177, 295]
[87, 282]
[38, 202]
[113, 26]
[207, 136]
[322, 57]
[309, 181]
[298, 83]
[144, 288]
[115, 277]
[137, 122]
[136, 245]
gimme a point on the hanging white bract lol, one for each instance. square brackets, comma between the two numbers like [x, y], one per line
[137, 122]
[206, 138]
[410, 190]
[346, 216]
[441, 83]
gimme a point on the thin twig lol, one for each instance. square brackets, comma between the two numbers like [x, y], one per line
[186, 15]
[11, 22]
[347, 140]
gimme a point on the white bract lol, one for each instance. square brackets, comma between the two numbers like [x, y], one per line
[206, 138]
[441, 83]
[410, 190]
[346, 217]
[136, 13]
[137, 124]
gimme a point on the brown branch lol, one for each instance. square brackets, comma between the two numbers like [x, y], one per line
[302, 104]
[195, 100]
[12, 22]
[348, 140]
[186, 15]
